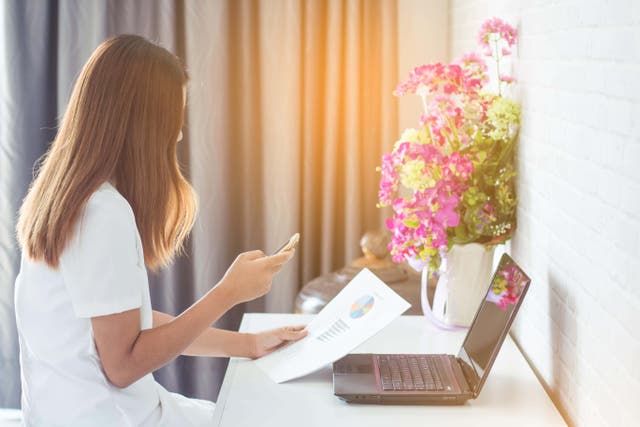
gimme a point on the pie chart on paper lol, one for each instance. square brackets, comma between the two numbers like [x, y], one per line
[361, 306]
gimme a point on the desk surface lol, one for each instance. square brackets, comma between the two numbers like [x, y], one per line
[511, 396]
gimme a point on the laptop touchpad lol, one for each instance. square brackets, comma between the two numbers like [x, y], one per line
[355, 364]
[354, 374]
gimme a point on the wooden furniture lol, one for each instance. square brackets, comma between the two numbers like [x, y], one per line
[402, 279]
[512, 395]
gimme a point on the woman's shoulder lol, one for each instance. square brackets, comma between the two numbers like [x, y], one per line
[106, 207]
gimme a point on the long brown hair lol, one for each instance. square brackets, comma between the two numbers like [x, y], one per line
[122, 123]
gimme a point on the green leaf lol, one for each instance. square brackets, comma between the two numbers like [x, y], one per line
[482, 155]
[412, 222]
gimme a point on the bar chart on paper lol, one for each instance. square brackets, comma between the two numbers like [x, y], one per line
[334, 331]
[361, 309]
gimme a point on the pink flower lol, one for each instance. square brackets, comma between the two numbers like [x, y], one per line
[460, 165]
[498, 27]
[489, 209]
[389, 180]
[472, 60]
[474, 67]
[437, 77]
[422, 220]
[446, 214]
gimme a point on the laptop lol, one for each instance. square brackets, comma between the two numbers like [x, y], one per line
[438, 379]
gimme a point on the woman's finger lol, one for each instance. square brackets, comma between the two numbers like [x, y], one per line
[280, 258]
[276, 265]
[290, 334]
[295, 328]
[254, 254]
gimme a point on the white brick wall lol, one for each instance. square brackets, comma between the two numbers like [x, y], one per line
[578, 64]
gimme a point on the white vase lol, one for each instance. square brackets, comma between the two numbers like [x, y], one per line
[463, 280]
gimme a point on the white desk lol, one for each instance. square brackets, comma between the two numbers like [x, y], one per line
[511, 397]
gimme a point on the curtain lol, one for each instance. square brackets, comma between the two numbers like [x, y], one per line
[291, 106]
[20, 145]
[289, 110]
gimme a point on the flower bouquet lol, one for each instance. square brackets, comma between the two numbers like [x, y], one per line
[452, 179]
[507, 286]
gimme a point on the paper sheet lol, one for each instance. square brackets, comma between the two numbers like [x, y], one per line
[359, 311]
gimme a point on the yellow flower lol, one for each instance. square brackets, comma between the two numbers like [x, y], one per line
[499, 285]
[413, 136]
[414, 176]
[504, 116]
[506, 199]
[427, 252]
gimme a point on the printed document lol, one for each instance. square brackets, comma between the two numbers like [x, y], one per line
[359, 311]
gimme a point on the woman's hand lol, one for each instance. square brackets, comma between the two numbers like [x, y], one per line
[251, 274]
[268, 341]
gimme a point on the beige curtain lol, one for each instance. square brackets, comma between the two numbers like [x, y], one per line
[290, 108]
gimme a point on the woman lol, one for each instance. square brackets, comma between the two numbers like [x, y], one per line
[109, 199]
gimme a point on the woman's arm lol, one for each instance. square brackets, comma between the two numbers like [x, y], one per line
[128, 353]
[214, 342]
[221, 343]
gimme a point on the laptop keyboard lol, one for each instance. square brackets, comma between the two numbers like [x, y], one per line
[419, 372]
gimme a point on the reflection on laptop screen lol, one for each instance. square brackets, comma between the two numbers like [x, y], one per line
[494, 317]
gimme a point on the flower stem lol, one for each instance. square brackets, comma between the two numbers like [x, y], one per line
[456, 140]
[495, 43]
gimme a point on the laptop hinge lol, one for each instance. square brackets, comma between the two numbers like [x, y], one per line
[467, 380]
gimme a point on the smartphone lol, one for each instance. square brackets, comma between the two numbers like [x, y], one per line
[289, 244]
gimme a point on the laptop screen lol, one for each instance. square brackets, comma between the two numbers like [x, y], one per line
[492, 321]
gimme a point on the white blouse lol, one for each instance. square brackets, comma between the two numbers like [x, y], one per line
[101, 272]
